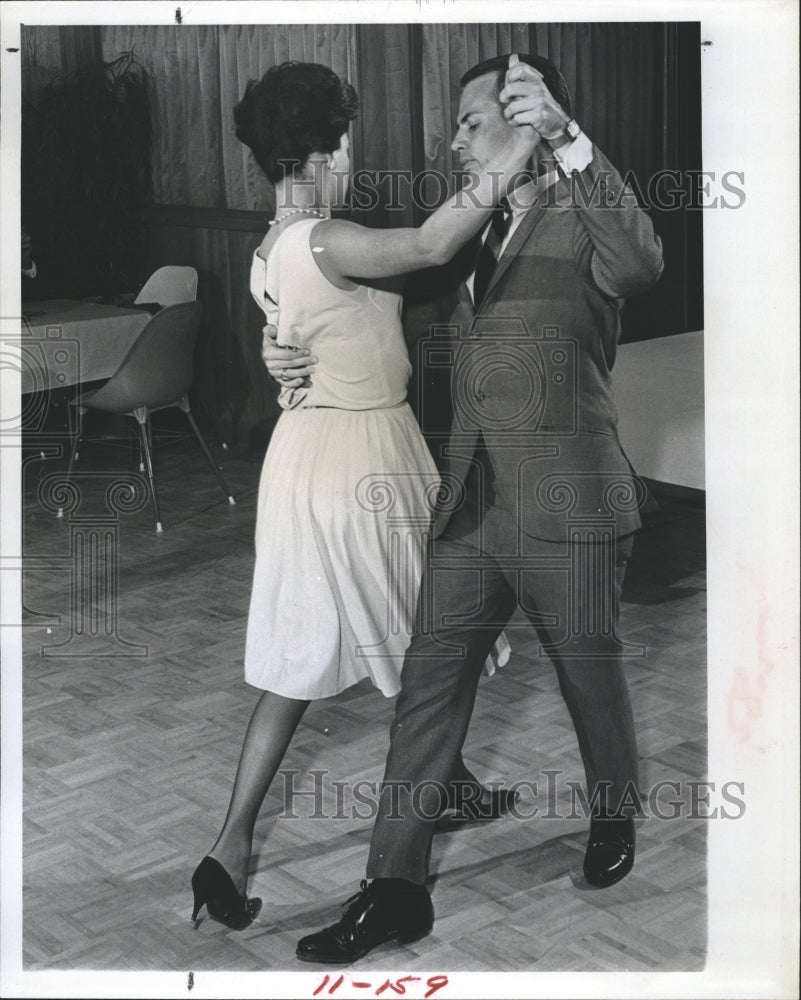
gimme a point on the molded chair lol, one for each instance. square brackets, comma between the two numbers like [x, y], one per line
[169, 285]
[155, 374]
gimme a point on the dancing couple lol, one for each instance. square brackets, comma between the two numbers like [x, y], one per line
[325, 585]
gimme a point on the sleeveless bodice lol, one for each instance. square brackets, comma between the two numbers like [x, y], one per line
[356, 334]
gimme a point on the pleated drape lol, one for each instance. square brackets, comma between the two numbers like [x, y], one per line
[612, 71]
[408, 82]
[42, 58]
[245, 53]
[198, 74]
[448, 50]
[386, 136]
[184, 73]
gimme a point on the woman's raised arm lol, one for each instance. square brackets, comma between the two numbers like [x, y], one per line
[354, 251]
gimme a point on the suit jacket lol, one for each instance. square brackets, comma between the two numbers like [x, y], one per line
[532, 367]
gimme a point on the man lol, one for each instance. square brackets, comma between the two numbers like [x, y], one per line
[543, 501]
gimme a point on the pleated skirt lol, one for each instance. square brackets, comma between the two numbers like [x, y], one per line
[344, 511]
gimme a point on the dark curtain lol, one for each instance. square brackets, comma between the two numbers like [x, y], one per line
[85, 152]
[636, 92]
[389, 137]
[613, 72]
[197, 75]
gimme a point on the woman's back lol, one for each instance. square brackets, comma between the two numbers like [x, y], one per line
[356, 334]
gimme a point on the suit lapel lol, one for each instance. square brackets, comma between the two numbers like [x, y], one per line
[465, 259]
[519, 237]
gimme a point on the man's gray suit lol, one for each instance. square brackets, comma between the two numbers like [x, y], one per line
[539, 503]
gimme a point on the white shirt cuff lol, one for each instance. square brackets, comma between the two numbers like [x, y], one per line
[574, 156]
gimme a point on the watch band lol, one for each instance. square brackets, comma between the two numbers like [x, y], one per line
[569, 133]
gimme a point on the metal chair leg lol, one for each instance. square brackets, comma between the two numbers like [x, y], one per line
[149, 426]
[74, 449]
[141, 418]
[183, 404]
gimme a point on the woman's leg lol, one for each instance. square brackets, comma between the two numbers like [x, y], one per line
[269, 732]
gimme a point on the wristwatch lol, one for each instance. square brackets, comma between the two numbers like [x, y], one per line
[569, 133]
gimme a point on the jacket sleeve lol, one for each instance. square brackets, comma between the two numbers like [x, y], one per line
[615, 244]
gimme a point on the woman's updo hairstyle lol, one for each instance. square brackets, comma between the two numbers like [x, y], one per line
[294, 110]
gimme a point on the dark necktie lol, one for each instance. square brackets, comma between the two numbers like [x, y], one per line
[490, 251]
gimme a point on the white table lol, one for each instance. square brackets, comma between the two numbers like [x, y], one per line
[64, 342]
[659, 390]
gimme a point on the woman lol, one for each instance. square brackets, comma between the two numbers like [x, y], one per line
[329, 607]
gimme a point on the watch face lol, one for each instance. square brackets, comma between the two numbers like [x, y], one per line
[572, 128]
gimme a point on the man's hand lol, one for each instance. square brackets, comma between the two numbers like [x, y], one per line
[529, 102]
[289, 366]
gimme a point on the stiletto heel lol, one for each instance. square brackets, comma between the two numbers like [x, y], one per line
[212, 885]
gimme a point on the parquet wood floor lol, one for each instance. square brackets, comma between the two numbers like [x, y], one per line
[128, 762]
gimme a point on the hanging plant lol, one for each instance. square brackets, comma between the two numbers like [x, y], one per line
[86, 169]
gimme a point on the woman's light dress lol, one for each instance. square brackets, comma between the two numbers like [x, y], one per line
[346, 490]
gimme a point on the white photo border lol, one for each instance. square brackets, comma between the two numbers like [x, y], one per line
[751, 257]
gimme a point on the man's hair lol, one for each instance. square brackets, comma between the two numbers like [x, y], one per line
[294, 110]
[551, 76]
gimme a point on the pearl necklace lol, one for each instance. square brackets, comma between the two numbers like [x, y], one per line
[297, 211]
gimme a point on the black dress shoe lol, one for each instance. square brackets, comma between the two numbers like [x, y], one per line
[610, 851]
[384, 910]
[486, 806]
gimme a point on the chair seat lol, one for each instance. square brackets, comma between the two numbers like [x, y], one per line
[169, 286]
[155, 374]
[87, 401]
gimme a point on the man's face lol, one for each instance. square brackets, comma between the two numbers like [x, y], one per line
[482, 130]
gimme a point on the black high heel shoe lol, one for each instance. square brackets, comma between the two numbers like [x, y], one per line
[213, 886]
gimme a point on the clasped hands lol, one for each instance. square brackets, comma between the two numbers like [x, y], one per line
[526, 101]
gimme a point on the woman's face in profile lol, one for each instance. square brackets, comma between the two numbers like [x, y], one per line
[340, 171]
